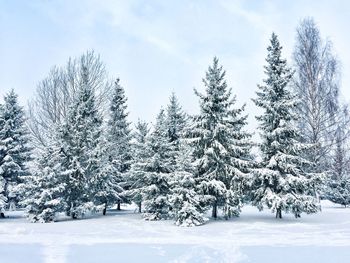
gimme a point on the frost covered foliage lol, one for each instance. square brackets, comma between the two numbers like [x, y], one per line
[44, 189]
[79, 178]
[119, 139]
[176, 120]
[221, 146]
[338, 191]
[185, 201]
[338, 185]
[137, 170]
[79, 137]
[281, 182]
[119, 132]
[157, 170]
[15, 152]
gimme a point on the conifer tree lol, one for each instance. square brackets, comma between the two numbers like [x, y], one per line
[221, 147]
[119, 138]
[15, 152]
[44, 188]
[339, 191]
[137, 170]
[338, 185]
[281, 182]
[104, 185]
[80, 154]
[184, 199]
[157, 171]
[176, 119]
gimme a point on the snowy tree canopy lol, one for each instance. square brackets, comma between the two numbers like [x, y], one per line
[15, 152]
[221, 147]
[281, 182]
[81, 142]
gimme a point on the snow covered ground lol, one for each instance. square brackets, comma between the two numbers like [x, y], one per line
[124, 237]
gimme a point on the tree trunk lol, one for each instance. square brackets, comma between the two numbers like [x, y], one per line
[140, 207]
[73, 214]
[118, 207]
[104, 210]
[279, 213]
[214, 213]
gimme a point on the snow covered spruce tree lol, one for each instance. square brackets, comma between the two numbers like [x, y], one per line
[338, 186]
[176, 120]
[82, 153]
[339, 191]
[157, 171]
[44, 188]
[119, 139]
[221, 146]
[184, 200]
[15, 152]
[137, 171]
[281, 182]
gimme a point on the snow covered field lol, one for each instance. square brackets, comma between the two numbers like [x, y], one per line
[124, 237]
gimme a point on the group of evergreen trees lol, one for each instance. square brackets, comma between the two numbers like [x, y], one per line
[179, 168]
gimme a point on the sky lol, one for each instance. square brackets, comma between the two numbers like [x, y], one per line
[159, 47]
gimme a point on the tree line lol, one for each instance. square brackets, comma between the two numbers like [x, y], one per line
[76, 152]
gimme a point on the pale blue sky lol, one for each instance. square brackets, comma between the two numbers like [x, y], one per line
[157, 47]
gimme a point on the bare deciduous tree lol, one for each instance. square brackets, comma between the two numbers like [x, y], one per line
[55, 93]
[316, 83]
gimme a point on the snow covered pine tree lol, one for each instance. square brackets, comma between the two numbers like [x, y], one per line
[281, 183]
[82, 153]
[74, 173]
[119, 141]
[15, 152]
[221, 147]
[137, 170]
[184, 200]
[44, 188]
[157, 170]
[338, 185]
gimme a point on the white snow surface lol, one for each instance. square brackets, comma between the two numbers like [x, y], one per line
[123, 236]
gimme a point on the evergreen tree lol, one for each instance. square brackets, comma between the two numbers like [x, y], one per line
[137, 170]
[44, 189]
[105, 183]
[176, 119]
[281, 182]
[339, 191]
[119, 132]
[157, 171]
[221, 147]
[338, 185]
[119, 139]
[80, 154]
[15, 152]
[184, 199]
